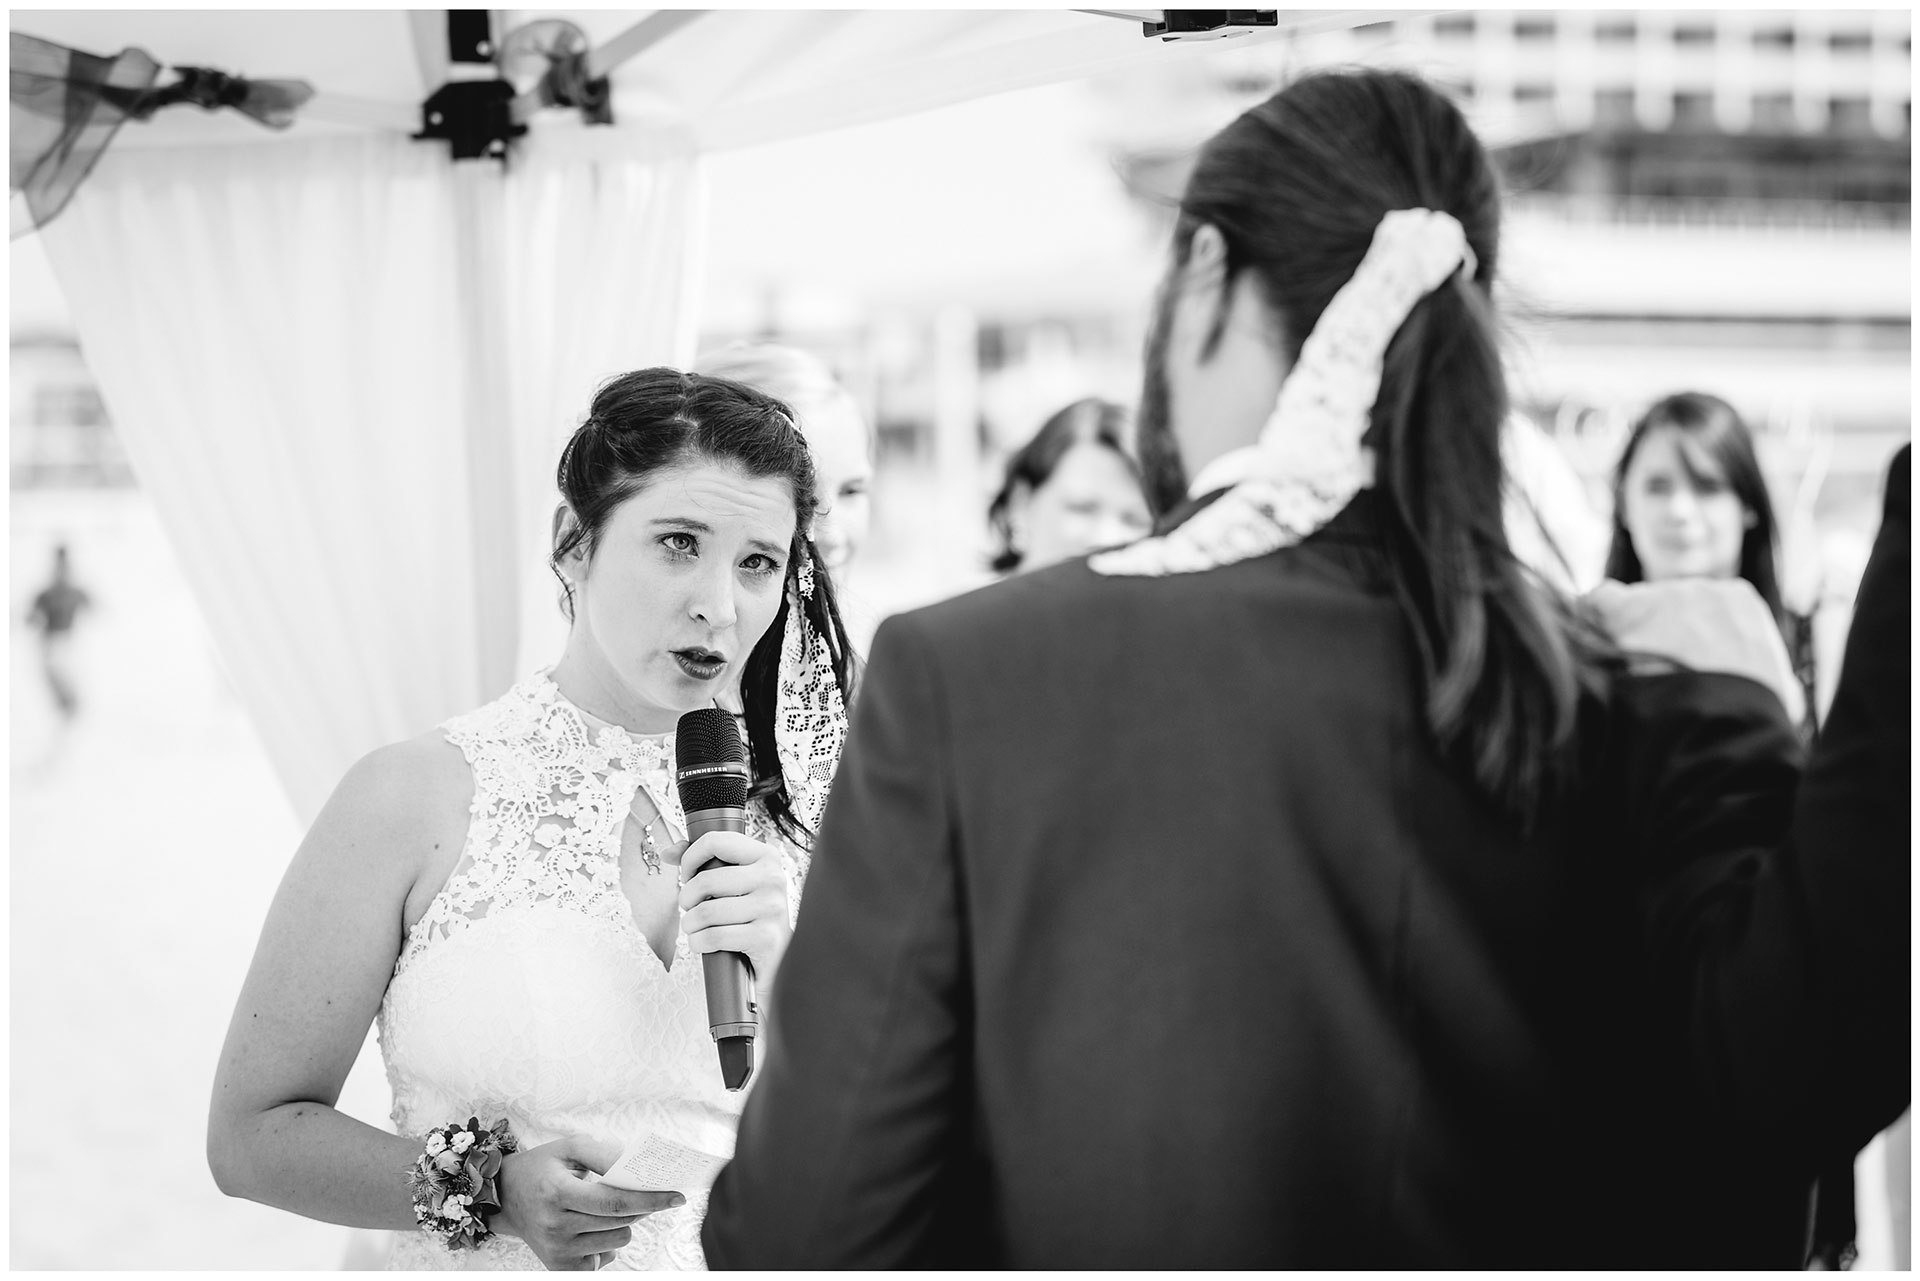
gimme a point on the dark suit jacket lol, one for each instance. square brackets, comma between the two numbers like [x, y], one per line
[1146, 929]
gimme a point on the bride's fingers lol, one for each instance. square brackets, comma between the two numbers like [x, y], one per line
[604, 1243]
[723, 882]
[741, 909]
[752, 940]
[728, 847]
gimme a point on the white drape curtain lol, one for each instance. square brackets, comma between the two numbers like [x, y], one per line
[342, 370]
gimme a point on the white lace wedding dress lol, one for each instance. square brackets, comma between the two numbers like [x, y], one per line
[527, 989]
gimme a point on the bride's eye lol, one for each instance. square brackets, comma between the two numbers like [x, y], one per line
[680, 544]
[760, 565]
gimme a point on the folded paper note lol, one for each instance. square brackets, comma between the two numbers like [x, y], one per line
[654, 1164]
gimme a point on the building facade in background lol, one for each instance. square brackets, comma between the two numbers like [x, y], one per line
[58, 430]
[1715, 200]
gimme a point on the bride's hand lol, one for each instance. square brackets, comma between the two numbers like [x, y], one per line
[566, 1218]
[740, 906]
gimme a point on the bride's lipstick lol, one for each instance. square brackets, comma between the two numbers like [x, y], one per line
[701, 664]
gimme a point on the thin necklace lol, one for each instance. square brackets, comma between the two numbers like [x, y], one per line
[649, 852]
[649, 848]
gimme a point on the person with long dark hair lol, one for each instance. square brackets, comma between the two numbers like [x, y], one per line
[1307, 884]
[1071, 490]
[513, 897]
[1690, 501]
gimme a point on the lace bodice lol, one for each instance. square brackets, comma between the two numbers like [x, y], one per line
[528, 990]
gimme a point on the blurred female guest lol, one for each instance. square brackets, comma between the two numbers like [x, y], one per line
[1071, 490]
[1690, 501]
[836, 433]
[842, 446]
[512, 895]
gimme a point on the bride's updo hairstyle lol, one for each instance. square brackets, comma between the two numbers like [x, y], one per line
[653, 419]
[1296, 186]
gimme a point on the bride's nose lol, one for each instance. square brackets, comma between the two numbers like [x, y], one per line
[712, 601]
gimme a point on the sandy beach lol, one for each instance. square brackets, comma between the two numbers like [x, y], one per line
[146, 838]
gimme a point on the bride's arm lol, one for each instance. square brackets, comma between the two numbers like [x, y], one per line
[316, 982]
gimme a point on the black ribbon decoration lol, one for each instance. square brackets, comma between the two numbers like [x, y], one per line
[274, 103]
[68, 105]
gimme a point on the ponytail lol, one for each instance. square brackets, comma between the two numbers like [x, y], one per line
[1503, 658]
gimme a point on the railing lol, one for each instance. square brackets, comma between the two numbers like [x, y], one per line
[1649, 211]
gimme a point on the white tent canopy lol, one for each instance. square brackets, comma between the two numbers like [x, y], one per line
[343, 363]
[730, 78]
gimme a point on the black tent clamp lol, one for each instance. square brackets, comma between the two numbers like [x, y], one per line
[477, 116]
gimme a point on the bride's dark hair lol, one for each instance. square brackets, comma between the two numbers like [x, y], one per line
[1296, 186]
[651, 419]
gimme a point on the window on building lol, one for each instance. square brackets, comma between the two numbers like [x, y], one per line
[1374, 30]
[1532, 27]
[1613, 109]
[58, 404]
[1773, 38]
[1692, 110]
[1694, 35]
[1849, 115]
[1453, 25]
[1850, 41]
[1615, 31]
[1773, 113]
[1532, 94]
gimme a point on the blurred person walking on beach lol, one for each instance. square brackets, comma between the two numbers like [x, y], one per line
[54, 611]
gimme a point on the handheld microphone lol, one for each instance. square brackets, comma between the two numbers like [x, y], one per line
[711, 775]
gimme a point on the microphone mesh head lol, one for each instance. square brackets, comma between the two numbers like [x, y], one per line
[709, 736]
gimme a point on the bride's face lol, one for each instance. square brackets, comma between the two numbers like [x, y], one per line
[683, 580]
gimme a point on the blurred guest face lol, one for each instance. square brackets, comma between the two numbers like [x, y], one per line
[1682, 515]
[684, 579]
[1090, 501]
[843, 484]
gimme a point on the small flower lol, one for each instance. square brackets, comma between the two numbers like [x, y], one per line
[463, 1140]
[547, 835]
[436, 1143]
[455, 1208]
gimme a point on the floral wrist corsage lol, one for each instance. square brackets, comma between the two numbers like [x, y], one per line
[453, 1182]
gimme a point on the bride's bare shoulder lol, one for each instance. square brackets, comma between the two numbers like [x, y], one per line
[414, 793]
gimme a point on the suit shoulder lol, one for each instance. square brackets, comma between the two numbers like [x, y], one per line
[1031, 603]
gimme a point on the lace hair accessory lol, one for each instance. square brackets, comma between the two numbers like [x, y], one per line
[1309, 462]
[809, 716]
[454, 1183]
[804, 578]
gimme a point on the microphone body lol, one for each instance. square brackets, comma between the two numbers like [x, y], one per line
[711, 776]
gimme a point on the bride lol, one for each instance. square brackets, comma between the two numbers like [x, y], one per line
[512, 895]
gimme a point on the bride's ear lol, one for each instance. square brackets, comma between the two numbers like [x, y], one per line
[564, 525]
